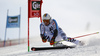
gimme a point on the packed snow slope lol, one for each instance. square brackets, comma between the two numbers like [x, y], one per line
[91, 48]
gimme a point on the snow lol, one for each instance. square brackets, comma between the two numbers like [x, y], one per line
[92, 48]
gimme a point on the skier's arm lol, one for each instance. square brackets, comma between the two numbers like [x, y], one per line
[56, 29]
[42, 33]
[55, 33]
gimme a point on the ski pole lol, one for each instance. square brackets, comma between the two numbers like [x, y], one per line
[86, 35]
[80, 36]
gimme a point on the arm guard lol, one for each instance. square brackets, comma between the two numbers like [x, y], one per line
[55, 33]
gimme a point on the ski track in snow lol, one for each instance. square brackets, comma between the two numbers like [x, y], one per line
[91, 49]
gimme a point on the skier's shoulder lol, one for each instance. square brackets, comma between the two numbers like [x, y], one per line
[54, 23]
[42, 24]
[53, 20]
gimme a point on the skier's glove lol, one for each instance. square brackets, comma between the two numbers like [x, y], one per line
[43, 38]
[52, 41]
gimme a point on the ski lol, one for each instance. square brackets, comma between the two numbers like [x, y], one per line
[50, 48]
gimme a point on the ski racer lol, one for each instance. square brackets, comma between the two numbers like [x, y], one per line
[51, 32]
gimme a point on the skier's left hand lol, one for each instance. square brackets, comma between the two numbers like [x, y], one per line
[52, 41]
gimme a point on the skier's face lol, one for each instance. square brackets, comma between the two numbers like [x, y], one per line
[46, 22]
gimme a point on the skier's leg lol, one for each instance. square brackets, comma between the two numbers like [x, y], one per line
[64, 37]
[69, 39]
[77, 42]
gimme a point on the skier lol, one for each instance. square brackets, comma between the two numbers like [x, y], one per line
[51, 32]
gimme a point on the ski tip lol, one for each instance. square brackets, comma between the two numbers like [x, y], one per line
[33, 49]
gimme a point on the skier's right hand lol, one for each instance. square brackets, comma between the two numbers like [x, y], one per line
[43, 38]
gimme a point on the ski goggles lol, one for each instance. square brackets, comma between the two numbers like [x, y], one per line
[46, 21]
